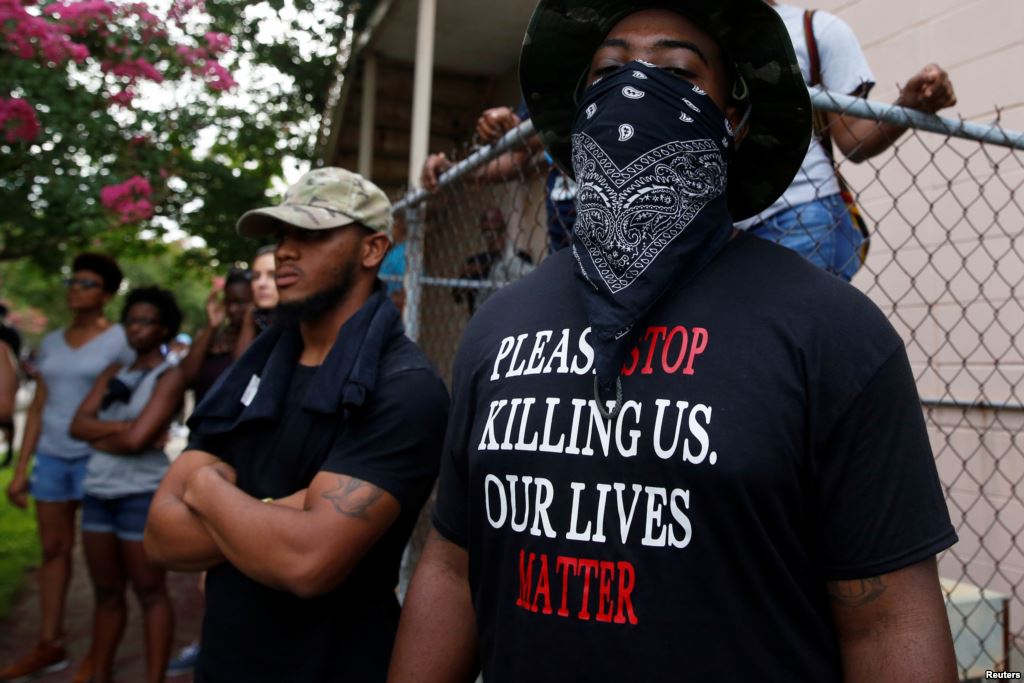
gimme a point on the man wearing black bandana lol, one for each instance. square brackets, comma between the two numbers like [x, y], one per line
[310, 458]
[706, 460]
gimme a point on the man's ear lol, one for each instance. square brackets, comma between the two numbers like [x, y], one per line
[375, 247]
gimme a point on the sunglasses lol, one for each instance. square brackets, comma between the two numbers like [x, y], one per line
[82, 283]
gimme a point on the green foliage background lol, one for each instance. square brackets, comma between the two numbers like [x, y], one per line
[49, 191]
[19, 546]
[31, 285]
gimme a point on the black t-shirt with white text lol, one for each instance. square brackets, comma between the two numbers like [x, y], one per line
[254, 633]
[771, 439]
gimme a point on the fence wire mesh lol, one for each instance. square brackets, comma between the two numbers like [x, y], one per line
[944, 209]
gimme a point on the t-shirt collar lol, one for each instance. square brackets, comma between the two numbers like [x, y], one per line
[256, 386]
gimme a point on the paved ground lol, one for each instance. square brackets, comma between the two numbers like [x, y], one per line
[19, 631]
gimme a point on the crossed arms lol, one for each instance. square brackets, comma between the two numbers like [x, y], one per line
[126, 438]
[305, 544]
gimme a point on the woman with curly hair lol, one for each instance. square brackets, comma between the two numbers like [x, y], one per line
[125, 418]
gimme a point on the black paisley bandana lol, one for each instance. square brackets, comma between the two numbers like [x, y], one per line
[651, 154]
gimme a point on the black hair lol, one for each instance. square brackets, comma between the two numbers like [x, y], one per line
[170, 313]
[104, 266]
[10, 336]
[264, 250]
[238, 276]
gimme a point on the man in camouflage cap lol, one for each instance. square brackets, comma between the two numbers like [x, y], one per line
[310, 459]
[323, 198]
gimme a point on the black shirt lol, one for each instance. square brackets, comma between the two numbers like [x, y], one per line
[771, 439]
[255, 633]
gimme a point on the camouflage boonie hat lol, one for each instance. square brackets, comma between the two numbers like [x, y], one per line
[563, 36]
[322, 199]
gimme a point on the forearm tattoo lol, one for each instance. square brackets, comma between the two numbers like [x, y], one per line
[353, 497]
[857, 592]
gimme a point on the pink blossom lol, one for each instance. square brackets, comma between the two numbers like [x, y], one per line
[134, 69]
[217, 43]
[141, 10]
[18, 120]
[77, 52]
[190, 55]
[130, 199]
[217, 77]
[82, 16]
[202, 63]
[27, 36]
[179, 8]
[151, 34]
[138, 210]
[123, 98]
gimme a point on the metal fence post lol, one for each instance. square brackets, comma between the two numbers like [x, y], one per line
[413, 271]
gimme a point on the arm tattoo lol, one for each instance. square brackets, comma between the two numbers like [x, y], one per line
[353, 497]
[857, 592]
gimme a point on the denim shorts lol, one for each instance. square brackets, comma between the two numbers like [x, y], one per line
[58, 480]
[124, 516]
[821, 231]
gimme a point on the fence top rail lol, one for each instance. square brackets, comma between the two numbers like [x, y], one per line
[486, 154]
[859, 107]
[824, 100]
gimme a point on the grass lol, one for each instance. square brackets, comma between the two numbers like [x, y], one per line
[19, 545]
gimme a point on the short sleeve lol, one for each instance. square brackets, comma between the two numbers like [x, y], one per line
[395, 443]
[878, 500]
[125, 353]
[209, 443]
[844, 68]
[45, 347]
[451, 510]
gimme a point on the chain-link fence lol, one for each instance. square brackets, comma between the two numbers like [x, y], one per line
[943, 256]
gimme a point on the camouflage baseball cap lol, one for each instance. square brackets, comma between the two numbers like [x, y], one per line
[563, 36]
[322, 199]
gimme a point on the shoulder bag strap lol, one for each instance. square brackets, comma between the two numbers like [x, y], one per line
[820, 119]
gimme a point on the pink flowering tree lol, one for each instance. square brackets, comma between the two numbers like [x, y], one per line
[101, 102]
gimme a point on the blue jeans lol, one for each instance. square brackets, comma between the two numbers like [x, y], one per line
[58, 480]
[821, 231]
[124, 516]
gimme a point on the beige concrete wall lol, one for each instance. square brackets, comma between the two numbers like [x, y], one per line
[947, 263]
[980, 43]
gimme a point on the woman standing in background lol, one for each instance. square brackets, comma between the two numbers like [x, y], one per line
[125, 419]
[264, 298]
[213, 348]
[69, 362]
